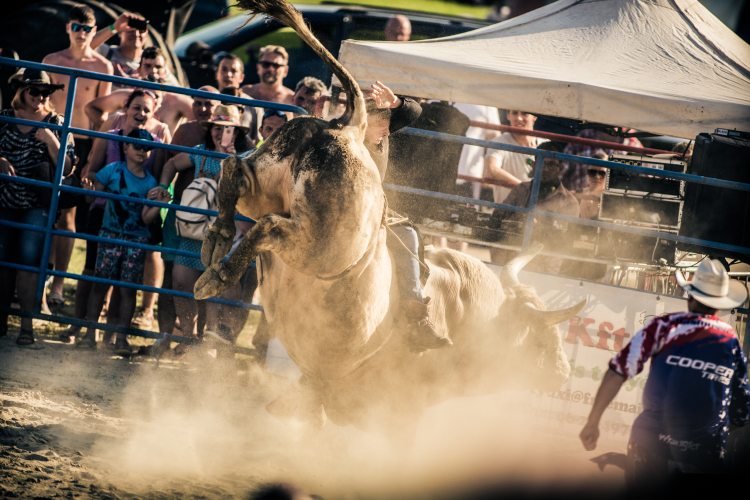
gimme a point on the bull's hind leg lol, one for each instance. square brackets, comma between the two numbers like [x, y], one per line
[234, 184]
[272, 232]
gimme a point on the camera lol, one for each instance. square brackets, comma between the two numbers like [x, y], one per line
[138, 24]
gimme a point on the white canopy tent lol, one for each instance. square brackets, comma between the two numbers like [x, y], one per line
[660, 66]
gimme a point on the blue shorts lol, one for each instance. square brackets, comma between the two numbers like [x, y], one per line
[118, 262]
[22, 246]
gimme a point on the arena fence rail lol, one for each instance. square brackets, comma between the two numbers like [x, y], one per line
[57, 188]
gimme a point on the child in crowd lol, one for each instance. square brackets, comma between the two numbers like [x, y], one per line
[125, 221]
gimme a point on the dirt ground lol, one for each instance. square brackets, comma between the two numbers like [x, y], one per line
[83, 424]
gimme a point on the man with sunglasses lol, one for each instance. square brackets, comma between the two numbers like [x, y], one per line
[81, 28]
[591, 197]
[272, 69]
[554, 198]
[272, 120]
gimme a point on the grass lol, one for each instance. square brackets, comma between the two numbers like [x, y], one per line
[431, 6]
[77, 260]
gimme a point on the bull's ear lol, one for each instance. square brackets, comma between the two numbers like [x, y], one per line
[248, 171]
[252, 180]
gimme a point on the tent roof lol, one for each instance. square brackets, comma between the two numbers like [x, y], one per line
[660, 66]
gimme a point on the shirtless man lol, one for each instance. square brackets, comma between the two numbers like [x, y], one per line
[126, 57]
[272, 68]
[174, 109]
[229, 75]
[398, 29]
[81, 28]
[307, 92]
[191, 134]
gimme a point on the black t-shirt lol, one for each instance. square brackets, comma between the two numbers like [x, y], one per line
[25, 153]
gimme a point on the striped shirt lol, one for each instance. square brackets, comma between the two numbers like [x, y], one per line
[696, 387]
[25, 153]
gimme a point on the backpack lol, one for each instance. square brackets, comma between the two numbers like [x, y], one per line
[201, 193]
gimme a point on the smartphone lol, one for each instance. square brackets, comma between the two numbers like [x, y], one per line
[138, 24]
[227, 136]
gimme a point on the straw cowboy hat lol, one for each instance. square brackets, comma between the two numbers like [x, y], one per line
[33, 77]
[712, 287]
[225, 115]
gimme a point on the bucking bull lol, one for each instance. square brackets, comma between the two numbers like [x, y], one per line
[329, 286]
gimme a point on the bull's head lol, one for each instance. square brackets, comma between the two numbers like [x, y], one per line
[544, 363]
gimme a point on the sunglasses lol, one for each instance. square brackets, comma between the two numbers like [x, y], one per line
[75, 27]
[141, 147]
[596, 173]
[274, 112]
[36, 92]
[266, 65]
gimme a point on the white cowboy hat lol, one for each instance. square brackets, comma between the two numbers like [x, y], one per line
[712, 287]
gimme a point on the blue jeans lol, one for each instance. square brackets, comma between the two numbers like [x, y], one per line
[408, 280]
[22, 246]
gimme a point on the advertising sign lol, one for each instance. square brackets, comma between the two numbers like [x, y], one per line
[603, 327]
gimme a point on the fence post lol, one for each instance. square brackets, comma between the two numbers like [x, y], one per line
[62, 154]
[538, 166]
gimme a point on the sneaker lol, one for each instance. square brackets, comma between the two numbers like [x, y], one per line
[122, 348]
[86, 342]
[143, 320]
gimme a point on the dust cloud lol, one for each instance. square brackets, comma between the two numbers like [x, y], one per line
[206, 430]
[97, 426]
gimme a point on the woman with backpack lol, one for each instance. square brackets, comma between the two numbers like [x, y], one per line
[139, 109]
[223, 134]
[31, 152]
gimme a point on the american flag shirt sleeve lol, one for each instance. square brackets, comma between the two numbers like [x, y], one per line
[630, 360]
[739, 404]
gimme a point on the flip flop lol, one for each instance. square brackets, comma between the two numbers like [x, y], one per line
[25, 337]
[55, 299]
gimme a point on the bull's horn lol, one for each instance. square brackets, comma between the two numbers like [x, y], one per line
[549, 318]
[509, 272]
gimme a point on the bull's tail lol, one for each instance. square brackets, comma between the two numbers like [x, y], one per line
[355, 114]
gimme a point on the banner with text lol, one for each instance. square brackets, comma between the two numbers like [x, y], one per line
[603, 327]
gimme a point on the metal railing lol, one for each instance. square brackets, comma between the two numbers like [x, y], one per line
[65, 129]
[57, 188]
[540, 156]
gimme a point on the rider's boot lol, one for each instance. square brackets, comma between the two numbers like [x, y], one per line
[421, 334]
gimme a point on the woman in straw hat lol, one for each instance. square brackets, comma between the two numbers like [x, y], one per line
[32, 152]
[187, 270]
[696, 389]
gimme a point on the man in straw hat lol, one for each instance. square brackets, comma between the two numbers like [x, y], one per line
[696, 390]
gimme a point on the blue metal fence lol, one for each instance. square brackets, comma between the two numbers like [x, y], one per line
[57, 188]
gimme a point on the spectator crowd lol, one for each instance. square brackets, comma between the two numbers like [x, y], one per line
[210, 125]
[132, 170]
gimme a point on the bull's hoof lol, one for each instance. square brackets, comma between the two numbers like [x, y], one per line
[213, 282]
[216, 244]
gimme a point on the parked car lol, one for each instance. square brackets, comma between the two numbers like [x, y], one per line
[330, 23]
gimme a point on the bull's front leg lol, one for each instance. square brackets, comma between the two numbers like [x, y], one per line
[270, 233]
[234, 183]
